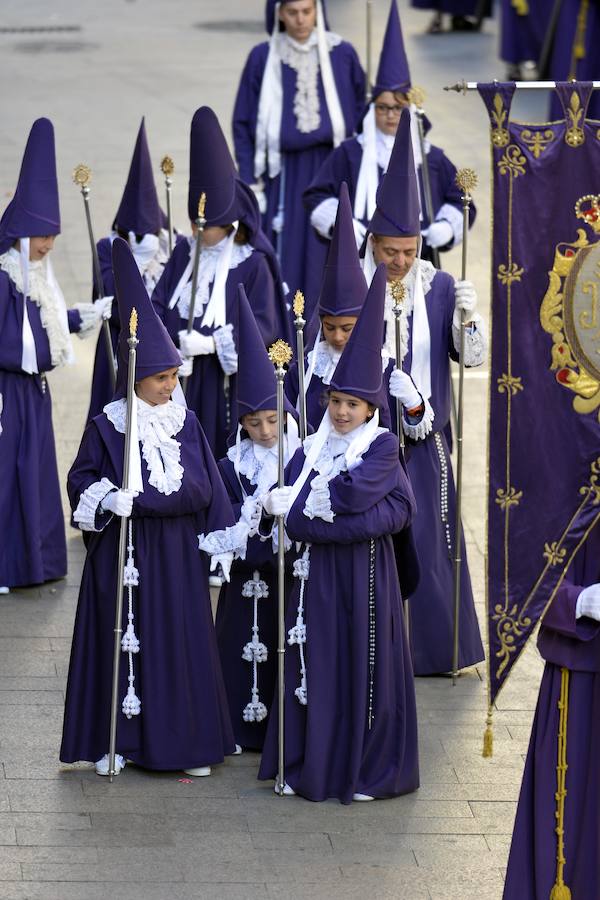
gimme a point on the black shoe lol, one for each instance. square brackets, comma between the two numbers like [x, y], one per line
[436, 26]
[461, 23]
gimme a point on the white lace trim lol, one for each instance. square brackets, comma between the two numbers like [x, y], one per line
[89, 501]
[209, 258]
[318, 502]
[421, 429]
[156, 427]
[475, 342]
[260, 472]
[45, 298]
[428, 272]
[327, 359]
[304, 60]
[225, 347]
[232, 539]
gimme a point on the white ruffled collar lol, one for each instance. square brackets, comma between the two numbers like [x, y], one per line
[258, 464]
[209, 259]
[326, 360]
[157, 426]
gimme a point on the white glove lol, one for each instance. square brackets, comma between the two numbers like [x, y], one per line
[277, 223]
[104, 306]
[465, 297]
[439, 234]
[120, 503]
[359, 232]
[224, 560]
[277, 501]
[251, 512]
[186, 368]
[261, 197]
[196, 344]
[588, 603]
[90, 316]
[402, 387]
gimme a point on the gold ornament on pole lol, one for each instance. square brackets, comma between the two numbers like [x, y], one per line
[167, 167]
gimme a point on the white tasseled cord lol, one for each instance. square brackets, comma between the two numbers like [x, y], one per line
[130, 644]
[297, 634]
[255, 651]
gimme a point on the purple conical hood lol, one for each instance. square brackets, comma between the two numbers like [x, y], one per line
[212, 170]
[156, 352]
[360, 369]
[393, 73]
[34, 210]
[343, 288]
[140, 210]
[398, 211]
[270, 13]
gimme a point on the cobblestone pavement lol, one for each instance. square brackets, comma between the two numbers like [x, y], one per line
[65, 834]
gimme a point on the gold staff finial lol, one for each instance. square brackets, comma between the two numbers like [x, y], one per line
[298, 305]
[417, 96]
[82, 175]
[167, 166]
[466, 179]
[202, 205]
[398, 292]
[280, 354]
[133, 323]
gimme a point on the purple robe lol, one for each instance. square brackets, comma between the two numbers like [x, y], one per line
[234, 620]
[33, 546]
[209, 392]
[522, 36]
[452, 7]
[343, 164]
[330, 750]
[561, 63]
[432, 604]
[564, 641]
[184, 721]
[301, 252]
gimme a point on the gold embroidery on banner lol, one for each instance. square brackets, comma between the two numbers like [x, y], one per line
[574, 135]
[500, 135]
[507, 276]
[537, 141]
[592, 488]
[507, 498]
[509, 627]
[509, 383]
[513, 162]
[553, 554]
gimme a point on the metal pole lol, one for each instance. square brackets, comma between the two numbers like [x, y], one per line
[280, 355]
[369, 72]
[299, 323]
[461, 87]
[548, 45]
[118, 629]
[467, 180]
[167, 168]
[417, 96]
[82, 177]
[280, 217]
[398, 293]
[200, 223]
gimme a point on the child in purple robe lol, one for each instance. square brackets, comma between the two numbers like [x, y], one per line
[234, 251]
[300, 95]
[35, 328]
[246, 620]
[140, 222]
[554, 850]
[174, 710]
[350, 715]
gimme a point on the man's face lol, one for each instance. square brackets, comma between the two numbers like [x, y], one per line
[388, 107]
[299, 18]
[398, 254]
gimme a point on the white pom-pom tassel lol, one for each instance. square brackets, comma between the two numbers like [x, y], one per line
[255, 651]
[254, 712]
[131, 576]
[132, 705]
[129, 641]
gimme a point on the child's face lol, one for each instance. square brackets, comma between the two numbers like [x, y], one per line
[337, 330]
[262, 427]
[157, 389]
[347, 412]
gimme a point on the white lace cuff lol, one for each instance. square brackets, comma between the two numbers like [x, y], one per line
[322, 218]
[318, 502]
[228, 540]
[89, 505]
[475, 341]
[226, 348]
[454, 217]
[421, 429]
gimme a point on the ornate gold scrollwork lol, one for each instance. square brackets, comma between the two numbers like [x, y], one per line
[537, 141]
[574, 135]
[500, 135]
[510, 626]
[512, 162]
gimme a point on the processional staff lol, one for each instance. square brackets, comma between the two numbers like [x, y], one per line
[398, 293]
[280, 355]
[200, 225]
[467, 181]
[167, 167]
[118, 630]
[369, 54]
[299, 323]
[82, 175]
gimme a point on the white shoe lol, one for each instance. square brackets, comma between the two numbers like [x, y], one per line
[287, 790]
[215, 581]
[237, 751]
[4, 590]
[102, 765]
[362, 798]
[200, 772]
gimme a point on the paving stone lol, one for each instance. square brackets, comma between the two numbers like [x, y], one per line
[32, 698]
[9, 871]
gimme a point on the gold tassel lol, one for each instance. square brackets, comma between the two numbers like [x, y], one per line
[521, 7]
[560, 891]
[488, 736]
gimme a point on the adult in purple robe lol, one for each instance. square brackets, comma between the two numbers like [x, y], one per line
[140, 221]
[174, 713]
[523, 29]
[35, 328]
[362, 160]
[575, 52]
[463, 14]
[350, 724]
[430, 338]
[234, 251]
[569, 641]
[300, 95]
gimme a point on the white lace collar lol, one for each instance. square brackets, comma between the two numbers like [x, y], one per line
[304, 60]
[157, 426]
[258, 464]
[326, 360]
[150, 267]
[209, 258]
[45, 292]
[332, 457]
